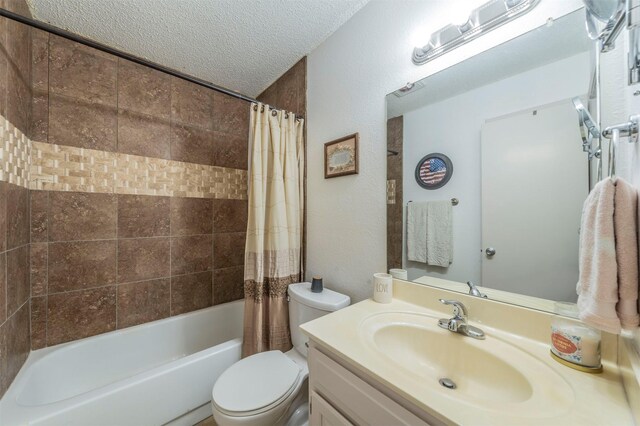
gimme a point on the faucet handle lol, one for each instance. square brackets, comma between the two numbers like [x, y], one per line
[459, 310]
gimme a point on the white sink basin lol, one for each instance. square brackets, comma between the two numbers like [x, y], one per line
[490, 374]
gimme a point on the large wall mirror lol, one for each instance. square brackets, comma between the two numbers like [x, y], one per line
[506, 120]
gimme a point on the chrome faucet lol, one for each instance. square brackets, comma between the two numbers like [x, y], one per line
[473, 290]
[458, 324]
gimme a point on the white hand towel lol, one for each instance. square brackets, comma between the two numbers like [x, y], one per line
[417, 232]
[439, 233]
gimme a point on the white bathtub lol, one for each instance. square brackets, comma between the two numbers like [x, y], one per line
[151, 374]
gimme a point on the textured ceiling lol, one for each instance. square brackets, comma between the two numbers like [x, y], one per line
[243, 45]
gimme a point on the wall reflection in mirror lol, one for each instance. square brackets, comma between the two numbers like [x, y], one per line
[506, 118]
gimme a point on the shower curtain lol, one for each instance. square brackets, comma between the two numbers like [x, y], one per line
[273, 257]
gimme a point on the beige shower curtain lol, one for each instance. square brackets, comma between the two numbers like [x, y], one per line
[274, 231]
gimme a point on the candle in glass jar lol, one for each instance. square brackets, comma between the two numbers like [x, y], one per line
[575, 342]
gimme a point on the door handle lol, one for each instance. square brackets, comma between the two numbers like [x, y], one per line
[490, 251]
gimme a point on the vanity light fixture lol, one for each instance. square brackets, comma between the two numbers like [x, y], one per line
[408, 88]
[481, 20]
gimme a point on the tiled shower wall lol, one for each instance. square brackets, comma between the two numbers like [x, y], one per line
[113, 241]
[15, 104]
[289, 92]
[100, 262]
[137, 203]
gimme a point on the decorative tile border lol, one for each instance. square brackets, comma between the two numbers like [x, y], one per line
[15, 156]
[66, 168]
[43, 166]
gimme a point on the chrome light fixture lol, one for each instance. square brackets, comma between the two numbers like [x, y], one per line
[482, 19]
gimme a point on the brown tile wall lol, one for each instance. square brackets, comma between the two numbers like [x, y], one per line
[394, 200]
[101, 262]
[289, 92]
[14, 281]
[105, 261]
[89, 99]
[15, 105]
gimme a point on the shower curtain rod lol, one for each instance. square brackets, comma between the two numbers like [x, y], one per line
[124, 55]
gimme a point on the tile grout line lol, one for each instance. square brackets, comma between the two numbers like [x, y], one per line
[117, 260]
[46, 307]
[115, 184]
[29, 222]
[170, 260]
[15, 312]
[213, 250]
[171, 199]
[128, 238]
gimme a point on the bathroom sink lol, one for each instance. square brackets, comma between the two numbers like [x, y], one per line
[491, 374]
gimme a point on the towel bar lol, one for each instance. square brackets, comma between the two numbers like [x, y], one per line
[628, 129]
[454, 201]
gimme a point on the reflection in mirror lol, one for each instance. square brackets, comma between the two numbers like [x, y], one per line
[506, 118]
[434, 171]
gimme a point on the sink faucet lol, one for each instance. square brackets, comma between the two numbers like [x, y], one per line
[458, 324]
[473, 290]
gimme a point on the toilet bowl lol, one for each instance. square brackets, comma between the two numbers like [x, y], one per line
[271, 388]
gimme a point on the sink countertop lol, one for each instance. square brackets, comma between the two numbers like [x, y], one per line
[597, 398]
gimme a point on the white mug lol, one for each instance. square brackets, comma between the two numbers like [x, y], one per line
[399, 274]
[382, 288]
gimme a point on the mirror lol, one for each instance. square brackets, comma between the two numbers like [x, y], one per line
[506, 119]
[603, 10]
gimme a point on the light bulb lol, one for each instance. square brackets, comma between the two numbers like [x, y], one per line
[460, 10]
[420, 37]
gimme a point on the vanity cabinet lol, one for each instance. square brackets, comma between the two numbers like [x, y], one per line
[339, 397]
[323, 413]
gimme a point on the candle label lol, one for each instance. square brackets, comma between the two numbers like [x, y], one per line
[568, 346]
[563, 345]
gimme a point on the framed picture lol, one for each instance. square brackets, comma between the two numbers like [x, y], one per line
[434, 171]
[341, 157]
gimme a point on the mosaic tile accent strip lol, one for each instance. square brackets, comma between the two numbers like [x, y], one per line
[15, 152]
[43, 166]
[65, 168]
[391, 191]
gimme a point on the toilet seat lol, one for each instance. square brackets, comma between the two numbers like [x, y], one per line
[256, 384]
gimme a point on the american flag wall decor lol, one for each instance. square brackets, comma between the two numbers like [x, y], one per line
[434, 171]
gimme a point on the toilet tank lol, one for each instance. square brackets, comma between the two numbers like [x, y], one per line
[305, 306]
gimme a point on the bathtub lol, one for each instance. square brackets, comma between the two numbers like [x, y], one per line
[152, 374]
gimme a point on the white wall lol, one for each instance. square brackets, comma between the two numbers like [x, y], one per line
[348, 77]
[453, 127]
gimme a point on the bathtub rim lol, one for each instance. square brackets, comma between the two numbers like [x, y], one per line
[9, 402]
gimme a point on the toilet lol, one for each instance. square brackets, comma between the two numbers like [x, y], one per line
[271, 388]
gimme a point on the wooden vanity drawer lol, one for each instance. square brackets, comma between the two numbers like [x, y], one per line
[351, 397]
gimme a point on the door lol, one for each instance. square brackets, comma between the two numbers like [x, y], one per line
[534, 182]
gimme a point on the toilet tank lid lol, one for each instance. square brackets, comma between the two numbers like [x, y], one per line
[327, 300]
